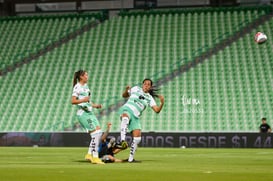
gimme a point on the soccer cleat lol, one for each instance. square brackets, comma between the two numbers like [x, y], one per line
[122, 145]
[97, 161]
[133, 161]
[89, 157]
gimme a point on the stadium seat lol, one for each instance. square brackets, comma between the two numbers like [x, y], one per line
[123, 51]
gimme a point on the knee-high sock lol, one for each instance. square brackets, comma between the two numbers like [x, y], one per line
[123, 127]
[136, 141]
[94, 143]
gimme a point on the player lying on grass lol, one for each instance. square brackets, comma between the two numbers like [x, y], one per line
[108, 148]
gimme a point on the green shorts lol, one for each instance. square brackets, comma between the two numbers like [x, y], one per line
[134, 122]
[88, 121]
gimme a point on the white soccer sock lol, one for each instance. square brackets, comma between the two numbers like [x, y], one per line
[133, 148]
[94, 143]
[123, 127]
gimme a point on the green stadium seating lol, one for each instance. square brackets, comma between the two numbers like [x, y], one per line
[230, 86]
[21, 37]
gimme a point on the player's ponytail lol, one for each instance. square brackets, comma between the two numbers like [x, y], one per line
[154, 90]
[77, 76]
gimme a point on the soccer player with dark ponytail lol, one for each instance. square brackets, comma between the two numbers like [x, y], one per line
[81, 97]
[138, 99]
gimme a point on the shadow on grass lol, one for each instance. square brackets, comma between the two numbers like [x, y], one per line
[137, 161]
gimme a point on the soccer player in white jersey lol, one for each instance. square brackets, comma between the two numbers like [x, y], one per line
[81, 97]
[130, 112]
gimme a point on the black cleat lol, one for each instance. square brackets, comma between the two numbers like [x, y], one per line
[122, 145]
[133, 161]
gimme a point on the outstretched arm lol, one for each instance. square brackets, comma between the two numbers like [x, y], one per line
[156, 108]
[98, 106]
[105, 134]
[125, 94]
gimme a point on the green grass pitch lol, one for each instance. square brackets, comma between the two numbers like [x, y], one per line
[57, 164]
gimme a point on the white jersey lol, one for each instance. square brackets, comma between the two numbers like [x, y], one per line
[81, 91]
[139, 100]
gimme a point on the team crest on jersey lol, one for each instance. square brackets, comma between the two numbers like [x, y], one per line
[145, 98]
[86, 91]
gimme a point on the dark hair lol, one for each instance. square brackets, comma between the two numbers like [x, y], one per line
[263, 119]
[77, 76]
[154, 90]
